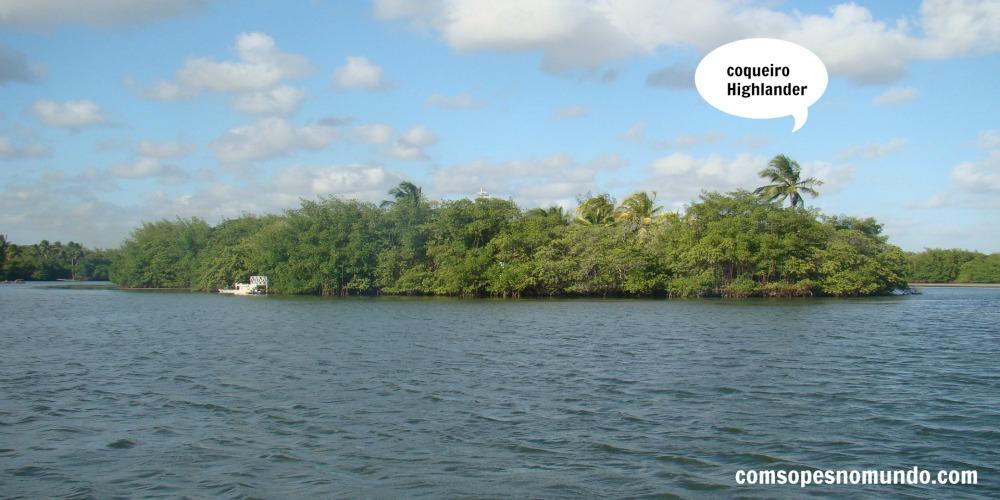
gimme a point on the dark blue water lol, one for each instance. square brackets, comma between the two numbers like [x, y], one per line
[106, 393]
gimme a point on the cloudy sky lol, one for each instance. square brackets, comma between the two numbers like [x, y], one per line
[127, 111]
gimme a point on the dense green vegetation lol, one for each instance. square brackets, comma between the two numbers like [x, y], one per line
[937, 265]
[52, 261]
[739, 244]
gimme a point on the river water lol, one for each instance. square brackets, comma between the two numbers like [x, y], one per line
[114, 393]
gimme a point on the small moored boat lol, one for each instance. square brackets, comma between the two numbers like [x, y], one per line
[257, 286]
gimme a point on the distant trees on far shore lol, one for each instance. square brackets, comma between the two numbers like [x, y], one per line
[44, 261]
[953, 265]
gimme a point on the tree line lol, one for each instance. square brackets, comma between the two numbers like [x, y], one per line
[45, 261]
[939, 265]
[737, 244]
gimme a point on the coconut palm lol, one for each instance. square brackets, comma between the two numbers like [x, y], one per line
[595, 210]
[406, 193]
[639, 209]
[783, 172]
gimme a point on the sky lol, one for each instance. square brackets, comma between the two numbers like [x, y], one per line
[124, 111]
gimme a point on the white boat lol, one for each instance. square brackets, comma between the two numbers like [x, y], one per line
[257, 286]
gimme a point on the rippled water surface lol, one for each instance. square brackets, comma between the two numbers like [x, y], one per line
[107, 392]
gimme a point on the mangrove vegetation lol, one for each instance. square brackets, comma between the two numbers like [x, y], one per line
[737, 244]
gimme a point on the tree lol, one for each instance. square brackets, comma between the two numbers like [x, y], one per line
[638, 210]
[784, 173]
[3, 255]
[405, 193]
[595, 210]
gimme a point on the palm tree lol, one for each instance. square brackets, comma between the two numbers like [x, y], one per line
[406, 193]
[783, 172]
[594, 210]
[639, 209]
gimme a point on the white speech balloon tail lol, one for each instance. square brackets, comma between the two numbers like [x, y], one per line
[800, 118]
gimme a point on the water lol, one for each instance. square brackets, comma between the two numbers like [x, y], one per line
[106, 393]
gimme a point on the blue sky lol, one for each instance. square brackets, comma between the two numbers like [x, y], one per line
[129, 111]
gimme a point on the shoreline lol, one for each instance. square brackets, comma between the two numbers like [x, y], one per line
[956, 285]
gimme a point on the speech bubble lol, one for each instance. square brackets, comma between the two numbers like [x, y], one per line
[762, 78]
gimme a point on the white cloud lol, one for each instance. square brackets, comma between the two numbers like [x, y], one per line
[690, 140]
[145, 168]
[359, 73]
[62, 207]
[896, 96]
[635, 133]
[458, 101]
[104, 13]
[257, 73]
[71, 114]
[871, 151]
[63, 211]
[362, 182]
[419, 136]
[554, 180]
[835, 177]
[411, 144]
[935, 201]
[680, 177]
[583, 35]
[374, 133]
[22, 148]
[270, 138]
[981, 176]
[570, 112]
[281, 100]
[164, 150]
[260, 66]
[988, 139]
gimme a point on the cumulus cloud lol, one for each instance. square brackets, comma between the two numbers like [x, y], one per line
[44, 209]
[163, 150]
[103, 13]
[988, 139]
[71, 114]
[256, 76]
[282, 100]
[680, 177]
[160, 91]
[373, 133]
[896, 96]
[149, 168]
[458, 101]
[14, 67]
[553, 180]
[871, 151]
[675, 76]
[411, 144]
[835, 177]
[359, 73]
[23, 147]
[570, 112]
[270, 138]
[935, 201]
[63, 207]
[583, 35]
[690, 140]
[260, 66]
[980, 176]
[635, 133]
